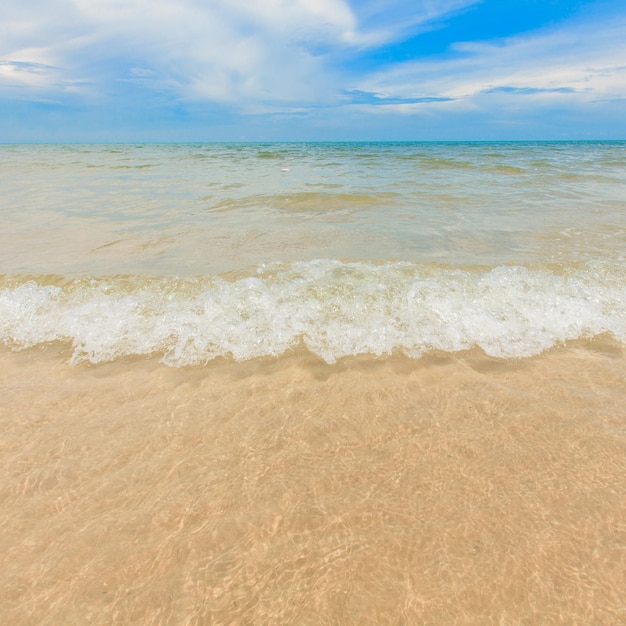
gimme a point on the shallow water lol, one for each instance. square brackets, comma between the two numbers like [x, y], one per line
[313, 383]
[198, 251]
[288, 491]
[205, 209]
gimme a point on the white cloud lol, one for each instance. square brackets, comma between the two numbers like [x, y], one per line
[250, 53]
[224, 50]
[293, 57]
[384, 21]
[579, 63]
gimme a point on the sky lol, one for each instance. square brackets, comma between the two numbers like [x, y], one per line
[311, 70]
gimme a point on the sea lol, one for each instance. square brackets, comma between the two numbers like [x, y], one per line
[313, 383]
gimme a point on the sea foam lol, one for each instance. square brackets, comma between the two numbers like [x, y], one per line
[332, 308]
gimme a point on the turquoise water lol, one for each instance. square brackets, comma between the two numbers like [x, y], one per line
[195, 251]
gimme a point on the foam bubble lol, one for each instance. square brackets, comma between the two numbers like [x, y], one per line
[334, 309]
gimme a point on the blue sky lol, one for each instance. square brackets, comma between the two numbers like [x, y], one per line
[291, 70]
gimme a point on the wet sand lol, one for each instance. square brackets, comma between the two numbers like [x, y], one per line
[460, 490]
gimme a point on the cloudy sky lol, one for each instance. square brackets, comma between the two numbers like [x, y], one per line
[262, 70]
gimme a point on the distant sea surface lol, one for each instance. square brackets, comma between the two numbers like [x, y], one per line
[192, 252]
[343, 383]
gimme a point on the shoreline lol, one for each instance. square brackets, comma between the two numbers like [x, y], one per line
[447, 490]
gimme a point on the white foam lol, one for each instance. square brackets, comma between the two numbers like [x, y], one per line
[335, 309]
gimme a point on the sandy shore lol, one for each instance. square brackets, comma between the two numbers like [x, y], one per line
[444, 491]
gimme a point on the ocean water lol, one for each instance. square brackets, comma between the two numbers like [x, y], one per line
[192, 252]
[313, 384]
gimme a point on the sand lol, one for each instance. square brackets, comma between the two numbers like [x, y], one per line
[450, 490]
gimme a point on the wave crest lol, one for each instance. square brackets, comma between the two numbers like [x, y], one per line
[334, 309]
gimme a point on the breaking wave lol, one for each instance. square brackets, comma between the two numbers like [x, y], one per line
[332, 308]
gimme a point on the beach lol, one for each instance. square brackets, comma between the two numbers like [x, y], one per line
[451, 491]
[318, 384]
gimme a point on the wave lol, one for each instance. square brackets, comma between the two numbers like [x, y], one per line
[310, 201]
[332, 308]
